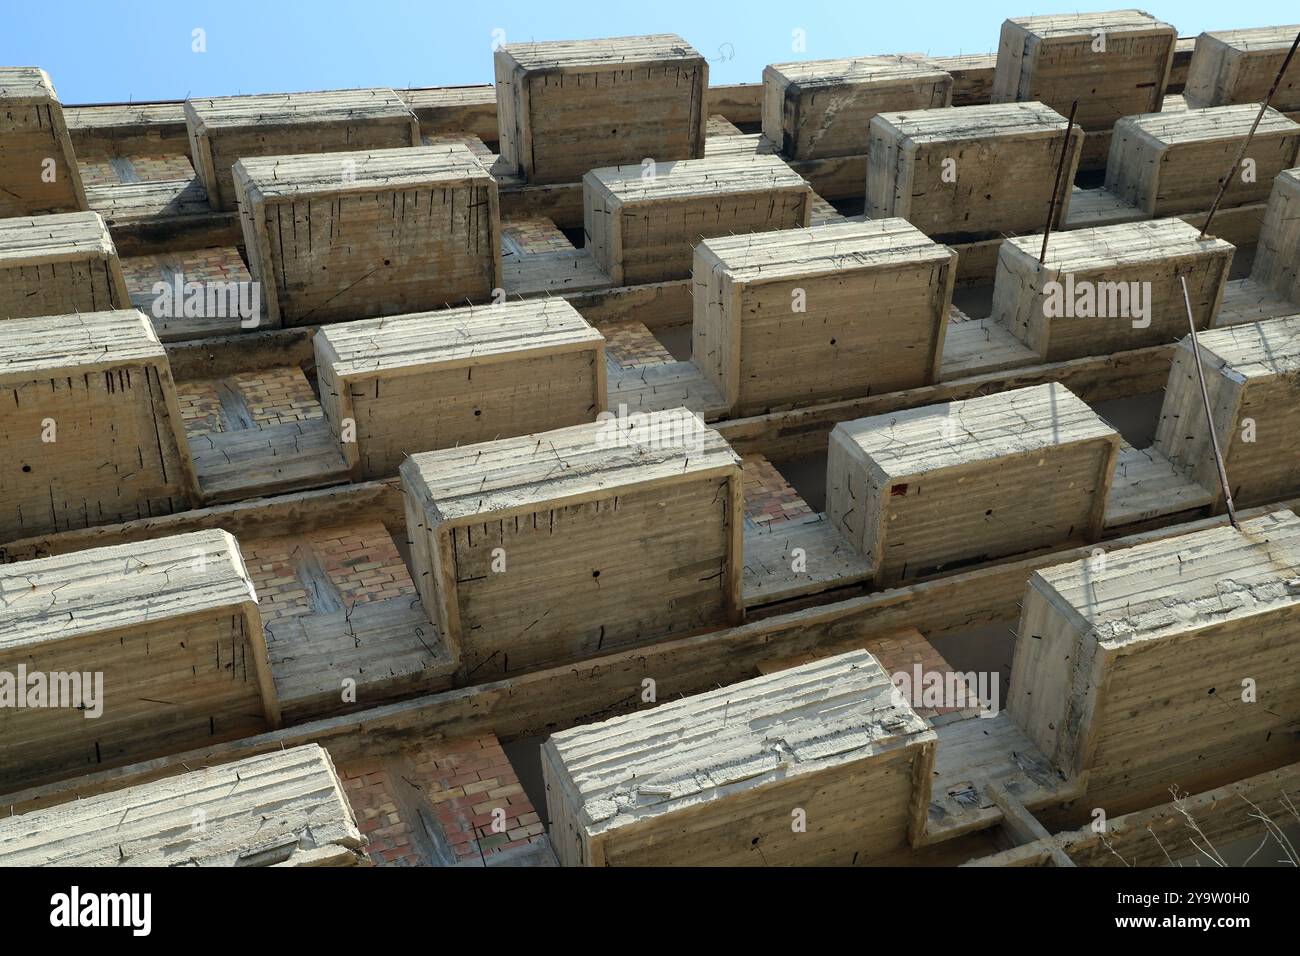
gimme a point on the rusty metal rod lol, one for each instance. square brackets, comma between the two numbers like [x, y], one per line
[1209, 416]
[1056, 186]
[1245, 144]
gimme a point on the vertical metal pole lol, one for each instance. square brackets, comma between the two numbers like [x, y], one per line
[1209, 416]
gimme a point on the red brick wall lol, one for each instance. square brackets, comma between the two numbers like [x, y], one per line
[898, 652]
[769, 498]
[361, 561]
[457, 784]
[277, 395]
[531, 235]
[280, 592]
[146, 169]
[272, 396]
[200, 408]
[216, 263]
[901, 652]
[631, 344]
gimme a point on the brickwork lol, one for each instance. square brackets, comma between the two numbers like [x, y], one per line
[457, 784]
[631, 344]
[369, 791]
[361, 561]
[280, 592]
[135, 169]
[141, 272]
[200, 408]
[157, 169]
[278, 395]
[97, 172]
[901, 652]
[769, 498]
[898, 652]
[531, 235]
[214, 264]
[270, 396]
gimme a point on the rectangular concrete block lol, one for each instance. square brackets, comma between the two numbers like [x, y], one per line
[1167, 164]
[1251, 373]
[1109, 289]
[352, 235]
[171, 628]
[564, 107]
[722, 778]
[539, 550]
[1239, 66]
[57, 265]
[284, 808]
[817, 109]
[1114, 63]
[225, 129]
[972, 172]
[411, 383]
[1133, 668]
[642, 223]
[934, 488]
[811, 315]
[38, 168]
[92, 431]
[972, 76]
[1277, 256]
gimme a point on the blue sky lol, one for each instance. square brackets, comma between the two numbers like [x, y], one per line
[100, 52]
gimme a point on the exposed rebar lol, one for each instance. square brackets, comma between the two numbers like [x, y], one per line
[1245, 144]
[1056, 186]
[1209, 417]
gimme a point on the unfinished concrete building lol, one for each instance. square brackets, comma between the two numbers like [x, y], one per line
[599, 467]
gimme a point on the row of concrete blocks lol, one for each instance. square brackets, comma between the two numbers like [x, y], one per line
[786, 319]
[536, 550]
[355, 235]
[651, 101]
[837, 764]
